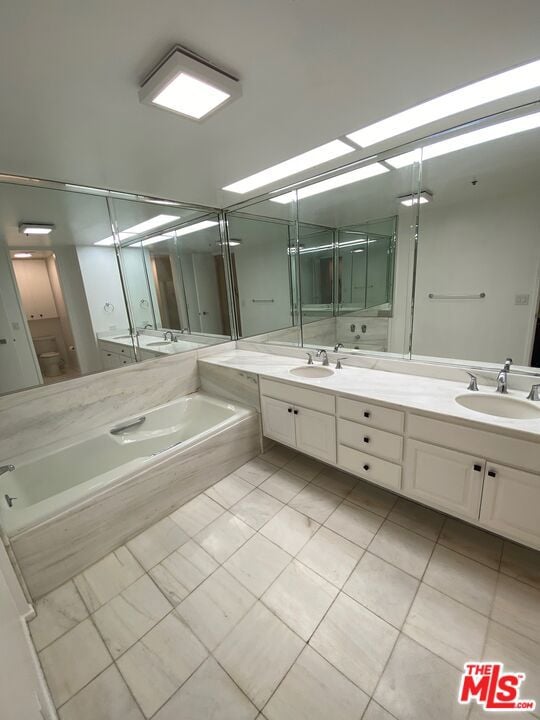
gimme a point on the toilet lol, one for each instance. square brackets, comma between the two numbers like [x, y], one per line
[50, 360]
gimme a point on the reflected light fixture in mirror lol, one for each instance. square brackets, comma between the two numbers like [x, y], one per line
[141, 227]
[332, 183]
[408, 200]
[305, 161]
[466, 140]
[36, 228]
[203, 225]
[189, 85]
[510, 82]
[22, 255]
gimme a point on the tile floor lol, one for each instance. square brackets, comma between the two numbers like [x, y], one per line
[290, 591]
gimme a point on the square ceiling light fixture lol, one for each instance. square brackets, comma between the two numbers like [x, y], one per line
[36, 228]
[413, 199]
[189, 85]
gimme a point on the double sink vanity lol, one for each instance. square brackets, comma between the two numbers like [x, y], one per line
[473, 455]
[117, 350]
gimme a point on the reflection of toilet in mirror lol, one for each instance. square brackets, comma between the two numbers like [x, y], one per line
[50, 360]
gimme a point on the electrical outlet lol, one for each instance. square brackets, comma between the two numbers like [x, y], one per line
[521, 300]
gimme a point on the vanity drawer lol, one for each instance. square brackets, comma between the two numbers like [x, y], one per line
[117, 348]
[372, 415]
[367, 439]
[369, 467]
[296, 395]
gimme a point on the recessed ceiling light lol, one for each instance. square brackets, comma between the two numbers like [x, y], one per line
[335, 182]
[358, 250]
[413, 199]
[309, 159]
[203, 225]
[141, 227]
[460, 142]
[21, 255]
[36, 228]
[498, 86]
[188, 85]
[233, 242]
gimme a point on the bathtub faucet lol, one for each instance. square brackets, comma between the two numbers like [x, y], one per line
[6, 468]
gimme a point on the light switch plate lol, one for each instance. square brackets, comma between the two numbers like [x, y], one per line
[521, 300]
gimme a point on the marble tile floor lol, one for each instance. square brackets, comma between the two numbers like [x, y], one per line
[291, 591]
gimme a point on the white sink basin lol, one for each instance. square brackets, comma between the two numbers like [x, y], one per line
[500, 405]
[312, 371]
[159, 343]
[122, 337]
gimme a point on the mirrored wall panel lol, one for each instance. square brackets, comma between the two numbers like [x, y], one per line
[262, 241]
[175, 276]
[477, 275]
[59, 291]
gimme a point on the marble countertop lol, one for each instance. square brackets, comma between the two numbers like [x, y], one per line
[426, 395]
[145, 343]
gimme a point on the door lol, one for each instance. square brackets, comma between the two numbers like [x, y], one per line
[511, 504]
[315, 433]
[446, 479]
[278, 421]
[206, 287]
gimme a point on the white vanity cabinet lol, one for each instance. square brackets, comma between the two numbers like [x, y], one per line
[301, 418]
[446, 479]
[35, 288]
[115, 355]
[511, 503]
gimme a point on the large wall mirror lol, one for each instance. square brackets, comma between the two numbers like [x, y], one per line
[477, 274]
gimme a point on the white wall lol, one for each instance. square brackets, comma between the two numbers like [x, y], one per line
[489, 245]
[141, 294]
[102, 285]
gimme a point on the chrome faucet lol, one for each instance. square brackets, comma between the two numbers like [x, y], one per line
[168, 332]
[322, 353]
[534, 393]
[309, 359]
[502, 377]
[473, 382]
[6, 468]
[338, 347]
[148, 326]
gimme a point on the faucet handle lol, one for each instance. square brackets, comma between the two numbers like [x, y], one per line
[534, 394]
[473, 384]
[338, 363]
[310, 359]
[507, 363]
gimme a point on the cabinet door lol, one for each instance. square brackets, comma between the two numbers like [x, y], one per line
[43, 299]
[511, 504]
[278, 420]
[446, 479]
[315, 433]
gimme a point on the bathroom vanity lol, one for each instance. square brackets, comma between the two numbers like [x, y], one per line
[408, 434]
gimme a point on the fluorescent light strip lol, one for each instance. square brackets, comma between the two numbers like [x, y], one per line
[332, 183]
[460, 142]
[498, 86]
[190, 96]
[410, 200]
[203, 225]
[21, 255]
[309, 159]
[144, 226]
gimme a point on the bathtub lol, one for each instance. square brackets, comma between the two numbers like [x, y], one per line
[78, 499]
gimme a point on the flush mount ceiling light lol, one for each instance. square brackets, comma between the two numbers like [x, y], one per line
[142, 227]
[203, 225]
[189, 85]
[36, 228]
[408, 200]
[460, 142]
[510, 82]
[309, 159]
[21, 255]
[335, 182]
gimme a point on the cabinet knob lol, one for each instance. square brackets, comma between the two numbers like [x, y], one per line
[289, 409]
[367, 413]
[366, 467]
[492, 473]
[296, 412]
[477, 468]
[366, 439]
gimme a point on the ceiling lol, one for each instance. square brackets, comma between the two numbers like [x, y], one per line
[311, 70]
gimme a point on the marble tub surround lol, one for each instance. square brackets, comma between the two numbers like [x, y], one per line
[53, 551]
[41, 416]
[434, 396]
[211, 614]
[230, 383]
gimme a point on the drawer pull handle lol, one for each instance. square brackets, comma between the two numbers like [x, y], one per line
[296, 412]
[477, 468]
[366, 439]
[367, 414]
[289, 409]
[492, 473]
[366, 467]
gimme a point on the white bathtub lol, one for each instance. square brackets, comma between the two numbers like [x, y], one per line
[54, 479]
